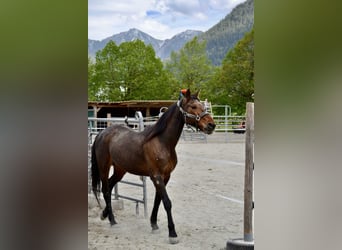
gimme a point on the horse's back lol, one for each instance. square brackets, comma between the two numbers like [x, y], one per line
[125, 147]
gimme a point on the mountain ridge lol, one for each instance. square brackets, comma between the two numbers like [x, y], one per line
[162, 48]
[220, 38]
[226, 33]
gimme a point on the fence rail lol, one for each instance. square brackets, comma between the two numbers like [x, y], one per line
[224, 123]
[229, 123]
[95, 125]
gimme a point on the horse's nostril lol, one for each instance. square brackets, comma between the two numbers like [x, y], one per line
[212, 125]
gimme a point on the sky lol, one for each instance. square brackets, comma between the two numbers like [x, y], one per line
[161, 19]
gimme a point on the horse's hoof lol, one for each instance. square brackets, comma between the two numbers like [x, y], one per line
[173, 240]
[154, 227]
[112, 223]
[104, 215]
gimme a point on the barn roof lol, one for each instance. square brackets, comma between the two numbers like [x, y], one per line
[133, 103]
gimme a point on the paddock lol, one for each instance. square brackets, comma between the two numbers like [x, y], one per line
[207, 206]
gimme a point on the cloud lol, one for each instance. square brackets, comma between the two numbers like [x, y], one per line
[188, 7]
[159, 18]
[119, 6]
[196, 8]
[217, 4]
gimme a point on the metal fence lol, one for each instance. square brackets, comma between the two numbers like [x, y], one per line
[225, 121]
[229, 123]
[224, 124]
[95, 125]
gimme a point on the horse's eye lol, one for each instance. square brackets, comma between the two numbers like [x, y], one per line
[193, 107]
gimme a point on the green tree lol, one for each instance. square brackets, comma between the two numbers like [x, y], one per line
[236, 78]
[129, 71]
[190, 66]
[92, 88]
[107, 76]
[142, 73]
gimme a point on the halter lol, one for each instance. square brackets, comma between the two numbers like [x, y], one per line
[186, 114]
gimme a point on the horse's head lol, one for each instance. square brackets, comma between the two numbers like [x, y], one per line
[195, 113]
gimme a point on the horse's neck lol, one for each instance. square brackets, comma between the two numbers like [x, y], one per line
[174, 129]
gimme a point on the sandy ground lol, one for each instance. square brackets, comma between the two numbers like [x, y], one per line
[206, 190]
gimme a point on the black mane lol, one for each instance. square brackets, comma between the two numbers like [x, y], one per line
[155, 130]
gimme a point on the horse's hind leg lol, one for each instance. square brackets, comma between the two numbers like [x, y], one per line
[108, 209]
[115, 178]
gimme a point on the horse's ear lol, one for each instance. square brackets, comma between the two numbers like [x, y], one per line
[197, 94]
[187, 94]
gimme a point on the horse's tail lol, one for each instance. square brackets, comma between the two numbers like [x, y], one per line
[95, 174]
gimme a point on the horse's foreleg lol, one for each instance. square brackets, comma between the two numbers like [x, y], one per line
[154, 214]
[161, 190]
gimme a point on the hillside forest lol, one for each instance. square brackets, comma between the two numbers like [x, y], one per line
[132, 71]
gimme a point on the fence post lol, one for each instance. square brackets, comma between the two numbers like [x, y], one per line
[140, 118]
[248, 239]
[109, 115]
[248, 192]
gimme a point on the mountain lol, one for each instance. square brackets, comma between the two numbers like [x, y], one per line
[130, 35]
[93, 46]
[220, 38]
[225, 34]
[176, 43]
[163, 48]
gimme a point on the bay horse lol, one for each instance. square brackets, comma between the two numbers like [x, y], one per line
[147, 153]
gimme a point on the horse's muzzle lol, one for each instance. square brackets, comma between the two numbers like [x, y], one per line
[210, 128]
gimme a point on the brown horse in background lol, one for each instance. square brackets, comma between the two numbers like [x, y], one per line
[147, 153]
